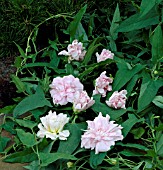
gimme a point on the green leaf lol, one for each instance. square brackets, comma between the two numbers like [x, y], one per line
[48, 148]
[21, 51]
[34, 165]
[132, 145]
[96, 159]
[26, 123]
[3, 143]
[138, 132]
[53, 45]
[129, 153]
[90, 68]
[17, 62]
[136, 22]
[7, 109]
[69, 146]
[124, 74]
[148, 91]
[26, 138]
[131, 84]
[104, 109]
[69, 69]
[129, 123]
[31, 102]
[115, 23]
[54, 60]
[21, 157]
[80, 32]
[158, 101]
[98, 106]
[157, 44]
[39, 111]
[146, 6]
[19, 84]
[159, 146]
[92, 47]
[48, 158]
[91, 24]
[72, 28]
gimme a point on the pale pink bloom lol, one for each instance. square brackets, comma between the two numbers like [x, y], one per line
[101, 134]
[52, 125]
[105, 54]
[102, 84]
[82, 101]
[64, 88]
[75, 51]
[117, 100]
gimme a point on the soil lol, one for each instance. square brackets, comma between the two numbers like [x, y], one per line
[7, 89]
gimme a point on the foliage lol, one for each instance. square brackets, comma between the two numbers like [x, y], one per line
[135, 37]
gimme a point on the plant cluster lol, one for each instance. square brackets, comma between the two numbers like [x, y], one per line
[91, 102]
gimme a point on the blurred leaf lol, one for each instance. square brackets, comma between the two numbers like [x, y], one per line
[129, 123]
[26, 138]
[69, 146]
[69, 69]
[80, 32]
[146, 6]
[34, 165]
[8, 109]
[54, 60]
[91, 25]
[159, 146]
[148, 91]
[158, 101]
[53, 45]
[124, 74]
[31, 102]
[48, 158]
[157, 44]
[115, 23]
[138, 132]
[96, 159]
[3, 143]
[137, 22]
[19, 84]
[72, 28]
[17, 62]
[21, 51]
[9, 126]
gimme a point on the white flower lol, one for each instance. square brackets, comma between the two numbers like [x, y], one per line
[75, 51]
[52, 126]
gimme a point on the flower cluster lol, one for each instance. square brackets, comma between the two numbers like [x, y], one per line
[101, 134]
[75, 51]
[70, 89]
